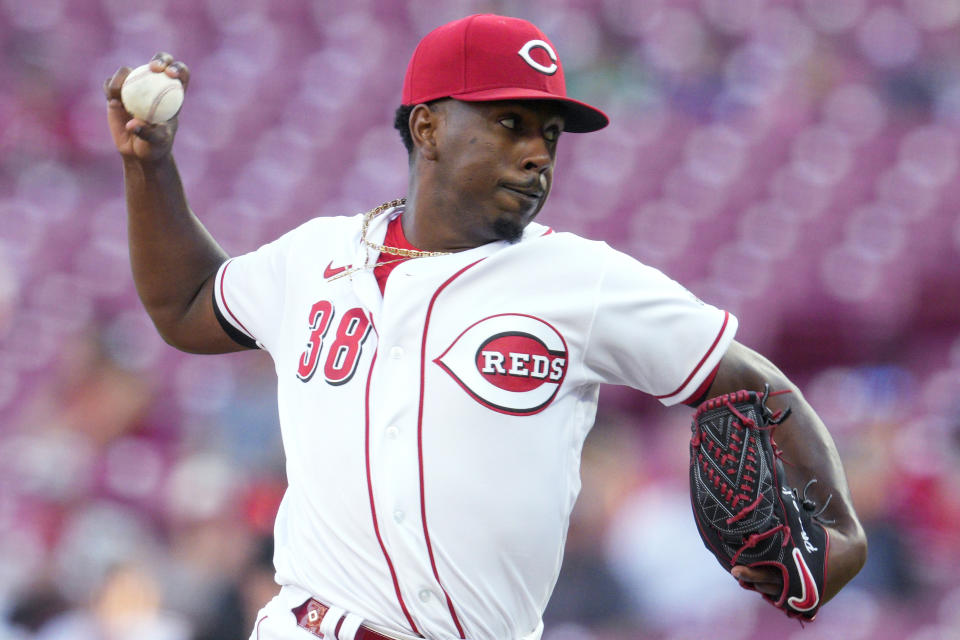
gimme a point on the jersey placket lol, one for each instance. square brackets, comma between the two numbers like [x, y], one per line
[394, 454]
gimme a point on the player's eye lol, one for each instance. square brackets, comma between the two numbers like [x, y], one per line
[509, 122]
[552, 134]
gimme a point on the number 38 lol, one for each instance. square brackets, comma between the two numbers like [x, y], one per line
[344, 352]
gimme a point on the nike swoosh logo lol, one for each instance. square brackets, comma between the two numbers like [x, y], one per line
[809, 597]
[331, 271]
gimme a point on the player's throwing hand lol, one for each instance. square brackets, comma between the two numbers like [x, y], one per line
[136, 138]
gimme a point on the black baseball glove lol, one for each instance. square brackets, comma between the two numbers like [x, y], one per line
[746, 511]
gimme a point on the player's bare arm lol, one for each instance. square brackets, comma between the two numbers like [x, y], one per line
[809, 452]
[173, 257]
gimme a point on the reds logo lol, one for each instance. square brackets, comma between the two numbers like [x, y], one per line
[510, 363]
[528, 58]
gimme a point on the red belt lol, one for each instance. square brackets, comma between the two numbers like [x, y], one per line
[310, 616]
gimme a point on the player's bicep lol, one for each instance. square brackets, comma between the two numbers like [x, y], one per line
[744, 368]
[203, 330]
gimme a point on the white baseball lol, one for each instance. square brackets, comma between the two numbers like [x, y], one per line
[151, 96]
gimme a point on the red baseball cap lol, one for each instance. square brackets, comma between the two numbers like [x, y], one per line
[486, 57]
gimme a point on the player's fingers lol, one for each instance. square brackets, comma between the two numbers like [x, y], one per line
[769, 590]
[766, 581]
[766, 588]
[179, 70]
[156, 134]
[160, 61]
[115, 109]
[111, 87]
[756, 574]
[117, 115]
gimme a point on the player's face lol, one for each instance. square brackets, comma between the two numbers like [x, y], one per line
[497, 160]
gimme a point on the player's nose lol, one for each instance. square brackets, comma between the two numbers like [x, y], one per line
[536, 155]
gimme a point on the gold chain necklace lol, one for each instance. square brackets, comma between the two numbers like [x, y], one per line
[395, 251]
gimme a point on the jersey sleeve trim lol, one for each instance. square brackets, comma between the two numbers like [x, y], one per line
[693, 382]
[698, 396]
[230, 323]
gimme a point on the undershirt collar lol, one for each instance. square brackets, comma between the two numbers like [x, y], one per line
[386, 262]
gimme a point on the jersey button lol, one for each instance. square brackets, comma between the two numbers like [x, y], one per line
[398, 516]
[425, 595]
[392, 432]
[396, 352]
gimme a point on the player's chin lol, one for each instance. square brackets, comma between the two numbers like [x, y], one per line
[508, 228]
[512, 220]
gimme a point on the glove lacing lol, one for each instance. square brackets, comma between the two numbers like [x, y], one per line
[773, 419]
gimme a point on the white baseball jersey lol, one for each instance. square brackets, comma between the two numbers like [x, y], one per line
[433, 434]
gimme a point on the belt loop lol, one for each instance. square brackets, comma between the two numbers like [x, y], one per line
[349, 627]
[328, 626]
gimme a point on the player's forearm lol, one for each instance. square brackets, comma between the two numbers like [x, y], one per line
[171, 253]
[808, 452]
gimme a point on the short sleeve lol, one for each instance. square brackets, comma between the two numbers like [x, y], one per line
[249, 293]
[651, 333]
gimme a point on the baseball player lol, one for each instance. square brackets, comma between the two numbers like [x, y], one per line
[438, 357]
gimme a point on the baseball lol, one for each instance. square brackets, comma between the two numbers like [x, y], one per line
[150, 96]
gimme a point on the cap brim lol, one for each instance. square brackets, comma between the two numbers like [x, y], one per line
[579, 117]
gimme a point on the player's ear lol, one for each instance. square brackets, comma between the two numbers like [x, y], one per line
[424, 122]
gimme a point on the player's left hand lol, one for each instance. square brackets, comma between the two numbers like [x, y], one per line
[768, 535]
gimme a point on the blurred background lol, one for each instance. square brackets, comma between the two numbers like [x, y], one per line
[794, 162]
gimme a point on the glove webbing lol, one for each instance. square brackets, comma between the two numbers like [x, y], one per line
[731, 494]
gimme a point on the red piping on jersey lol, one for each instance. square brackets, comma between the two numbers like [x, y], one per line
[547, 232]
[716, 341]
[373, 508]
[696, 397]
[423, 501]
[223, 274]
[259, 622]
